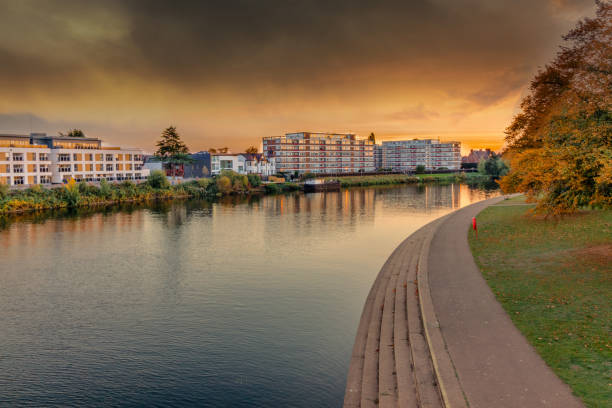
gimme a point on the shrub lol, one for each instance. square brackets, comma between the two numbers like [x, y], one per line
[420, 169]
[4, 190]
[254, 180]
[72, 194]
[224, 184]
[204, 182]
[308, 176]
[272, 188]
[82, 187]
[105, 189]
[158, 179]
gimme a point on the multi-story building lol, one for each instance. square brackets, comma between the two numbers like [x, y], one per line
[42, 159]
[307, 152]
[378, 162]
[406, 155]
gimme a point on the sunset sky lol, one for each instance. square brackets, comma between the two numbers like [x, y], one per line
[227, 73]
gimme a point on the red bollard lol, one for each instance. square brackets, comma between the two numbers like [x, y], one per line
[474, 226]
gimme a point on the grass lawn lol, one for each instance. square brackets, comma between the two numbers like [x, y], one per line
[554, 278]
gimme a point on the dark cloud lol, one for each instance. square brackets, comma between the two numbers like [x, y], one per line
[137, 64]
[279, 42]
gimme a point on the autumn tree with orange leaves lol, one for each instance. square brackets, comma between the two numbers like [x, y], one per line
[560, 144]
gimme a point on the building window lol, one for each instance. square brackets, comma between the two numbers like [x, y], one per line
[64, 157]
[18, 168]
[18, 180]
[43, 169]
[43, 157]
[18, 157]
[109, 157]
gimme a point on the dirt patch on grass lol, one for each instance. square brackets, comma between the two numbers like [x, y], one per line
[601, 254]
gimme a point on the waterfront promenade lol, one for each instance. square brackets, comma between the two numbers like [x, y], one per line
[432, 333]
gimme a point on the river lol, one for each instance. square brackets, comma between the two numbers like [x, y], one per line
[240, 303]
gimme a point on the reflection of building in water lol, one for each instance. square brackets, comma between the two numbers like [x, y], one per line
[79, 228]
[421, 197]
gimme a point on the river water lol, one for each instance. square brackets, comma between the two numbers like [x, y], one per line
[240, 303]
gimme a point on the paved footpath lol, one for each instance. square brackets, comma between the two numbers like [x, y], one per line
[495, 364]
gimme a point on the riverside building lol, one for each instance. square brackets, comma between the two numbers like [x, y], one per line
[42, 159]
[307, 152]
[406, 155]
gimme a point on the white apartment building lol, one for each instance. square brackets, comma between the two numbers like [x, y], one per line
[42, 159]
[243, 163]
[406, 155]
[307, 152]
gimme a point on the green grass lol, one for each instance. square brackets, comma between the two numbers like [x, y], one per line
[554, 279]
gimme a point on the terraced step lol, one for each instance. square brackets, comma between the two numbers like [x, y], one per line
[391, 363]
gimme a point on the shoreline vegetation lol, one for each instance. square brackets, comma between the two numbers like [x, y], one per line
[551, 275]
[157, 187]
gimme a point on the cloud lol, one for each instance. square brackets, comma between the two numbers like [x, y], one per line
[417, 112]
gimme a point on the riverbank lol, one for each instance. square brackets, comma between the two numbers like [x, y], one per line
[157, 187]
[442, 178]
[552, 278]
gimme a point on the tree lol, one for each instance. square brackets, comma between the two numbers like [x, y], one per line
[212, 150]
[172, 150]
[223, 150]
[73, 133]
[560, 144]
[251, 150]
[372, 137]
[420, 169]
[494, 166]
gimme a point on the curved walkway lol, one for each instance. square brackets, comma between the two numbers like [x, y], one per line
[433, 335]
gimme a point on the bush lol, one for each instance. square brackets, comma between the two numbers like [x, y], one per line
[272, 188]
[158, 179]
[204, 182]
[105, 189]
[4, 190]
[72, 194]
[254, 180]
[224, 184]
[308, 176]
[420, 169]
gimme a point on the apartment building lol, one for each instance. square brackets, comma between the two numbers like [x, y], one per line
[406, 155]
[42, 159]
[378, 162]
[306, 152]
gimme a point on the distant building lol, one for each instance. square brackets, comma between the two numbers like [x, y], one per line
[256, 163]
[42, 159]
[406, 155]
[475, 156]
[243, 163]
[378, 156]
[320, 153]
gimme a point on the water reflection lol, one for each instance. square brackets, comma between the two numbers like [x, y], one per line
[248, 301]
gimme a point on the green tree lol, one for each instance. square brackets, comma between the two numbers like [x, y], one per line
[420, 169]
[372, 137]
[171, 150]
[251, 150]
[157, 179]
[494, 166]
[73, 133]
[212, 150]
